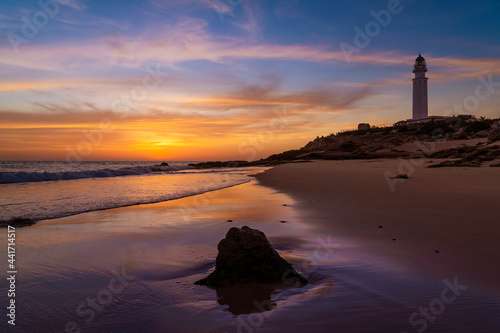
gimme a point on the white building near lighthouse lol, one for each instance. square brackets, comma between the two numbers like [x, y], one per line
[420, 100]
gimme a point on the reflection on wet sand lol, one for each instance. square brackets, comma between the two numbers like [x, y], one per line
[247, 298]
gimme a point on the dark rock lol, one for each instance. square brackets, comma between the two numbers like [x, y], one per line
[348, 146]
[240, 164]
[20, 222]
[401, 176]
[286, 156]
[495, 165]
[220, 164]
[470, 156]
[380, 226]
[494, 137]
[229, 220]
[455, 164]
[246, 256]
[493, 153]
[283, 221]
[164, 164]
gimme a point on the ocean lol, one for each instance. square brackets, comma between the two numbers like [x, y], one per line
[47, 190]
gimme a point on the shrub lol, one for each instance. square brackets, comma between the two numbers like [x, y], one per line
[435, 128]
[478, 126]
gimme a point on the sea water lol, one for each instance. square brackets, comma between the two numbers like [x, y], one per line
[47, 190]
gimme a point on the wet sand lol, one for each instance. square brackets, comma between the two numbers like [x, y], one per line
[441, 222]
[132, 269]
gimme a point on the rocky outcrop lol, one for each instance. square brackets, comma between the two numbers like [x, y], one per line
[397, 141]
[17, 222]
[246, 256]
[455, 164]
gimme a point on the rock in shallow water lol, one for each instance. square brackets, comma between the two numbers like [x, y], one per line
[18, 223]
[246, 256]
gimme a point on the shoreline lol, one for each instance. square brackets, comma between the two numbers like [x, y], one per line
[163, 248]
[93, 194]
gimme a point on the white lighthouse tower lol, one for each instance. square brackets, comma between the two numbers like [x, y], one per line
[420, 105]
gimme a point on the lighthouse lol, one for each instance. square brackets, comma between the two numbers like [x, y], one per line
[420, 105]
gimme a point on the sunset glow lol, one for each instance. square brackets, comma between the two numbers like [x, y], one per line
[194, 80]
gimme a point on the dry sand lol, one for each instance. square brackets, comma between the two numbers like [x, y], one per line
[454, 211]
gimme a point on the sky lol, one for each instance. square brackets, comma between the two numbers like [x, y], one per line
[230, 79]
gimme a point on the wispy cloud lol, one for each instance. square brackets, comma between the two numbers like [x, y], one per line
[225, 78]
[252, 107]
[76, 4]
[253, 16]
[189, 40]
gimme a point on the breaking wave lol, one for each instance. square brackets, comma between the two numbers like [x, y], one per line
[27, 177]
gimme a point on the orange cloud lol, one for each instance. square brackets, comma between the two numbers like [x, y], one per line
[56, 131]
[179, 121]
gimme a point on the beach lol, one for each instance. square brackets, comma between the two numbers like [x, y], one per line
[374, 255]
[230, 166]
[450, 210]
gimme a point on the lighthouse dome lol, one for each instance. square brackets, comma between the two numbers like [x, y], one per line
[420, 61]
